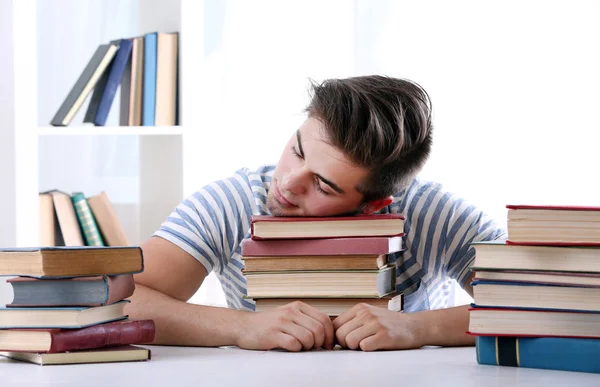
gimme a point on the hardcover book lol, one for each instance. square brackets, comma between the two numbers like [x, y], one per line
[102, 355]
[329, 246]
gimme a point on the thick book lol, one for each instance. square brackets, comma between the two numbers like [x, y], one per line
[334, 306]
[533, 322]
[314, 262]
[329, 246]
[530, 295]
[70, 230]
[65, 261]
[272, 227]
[50, 234]
[85, 83]
[166, 79]
[80, 291]
[131, 86]
[114, 80]
[108, 222]
[498, 255]
[102, 355]
[87, 222]
[92, 108]
[556, 225]
[62, 340]
[364, 283]
[579, 355]
[539, 277]
[72, 317]
[149, 82]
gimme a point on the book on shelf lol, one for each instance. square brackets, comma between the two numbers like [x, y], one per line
[502, 256]
[85, 83]
[71, 261]
[166, 79]
[50, 234]
[555, 225]
[310, 284]
[149, 79]
[533, 322]
[61, 317]
[108, 222]
[131, 86]
[111, 334]
[86, 220]
[79, 291]
[528, 295]
[565, 354]
[270, 227]
[68, 224]
[334, 306]
[102, 355]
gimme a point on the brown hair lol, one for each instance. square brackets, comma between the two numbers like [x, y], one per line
[382, 124]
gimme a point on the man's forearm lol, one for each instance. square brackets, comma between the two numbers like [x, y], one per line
[180, 323]
[444, 327]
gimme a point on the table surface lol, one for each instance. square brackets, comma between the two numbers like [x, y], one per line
[185, 366]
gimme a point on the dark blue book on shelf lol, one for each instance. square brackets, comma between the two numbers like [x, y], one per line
[149, 87]
[113, 81]
[551, 353]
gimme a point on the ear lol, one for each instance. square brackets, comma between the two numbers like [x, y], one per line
[376, 205]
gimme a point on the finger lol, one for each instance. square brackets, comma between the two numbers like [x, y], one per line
[315, 327]
[300, 333]
[324, 320]
[345, 317]
[342, 332]
[354, 338]
[373, 343]
[288, 342]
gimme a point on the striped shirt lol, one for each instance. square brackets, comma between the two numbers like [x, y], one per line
[439, 228]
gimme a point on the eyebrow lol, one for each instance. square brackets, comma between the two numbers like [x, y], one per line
[334, 186]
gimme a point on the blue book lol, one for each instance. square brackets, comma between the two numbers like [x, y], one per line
[149, 87]
[114, 80]
[551, 353]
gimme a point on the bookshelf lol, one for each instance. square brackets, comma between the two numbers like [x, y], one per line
[161, 162]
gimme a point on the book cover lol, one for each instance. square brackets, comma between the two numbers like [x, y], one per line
[62, 340]
[114, 80]
[70, 230]
[86, 220]
[92, 109]
[565, 354]
[330, 246]
[71, 261]
[166, 79]
[108, 222]
[314, 262]
[102, 355]
[85, 83]
[131, 86]
[80, 291]
[149, 83]
[271, 227]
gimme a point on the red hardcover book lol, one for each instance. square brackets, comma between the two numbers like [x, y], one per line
[330, 246]
[63, 340]
[271, 227]
[553, 225]
[81, 291]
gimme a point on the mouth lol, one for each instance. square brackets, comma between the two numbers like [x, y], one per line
[281, 199]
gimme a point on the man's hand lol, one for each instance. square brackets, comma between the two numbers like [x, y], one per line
[370, 328]
[295, 326]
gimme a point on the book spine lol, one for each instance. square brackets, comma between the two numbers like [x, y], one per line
[86, 220]
[149, 74]
[565, 354]
[114, 80]
[103, 335]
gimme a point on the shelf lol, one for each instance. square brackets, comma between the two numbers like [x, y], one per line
[90, 130]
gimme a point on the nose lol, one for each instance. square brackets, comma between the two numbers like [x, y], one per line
[295, 181]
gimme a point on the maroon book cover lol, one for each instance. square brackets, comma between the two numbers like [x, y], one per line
[331, 246]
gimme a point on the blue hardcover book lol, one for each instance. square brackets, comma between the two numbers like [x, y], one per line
[149, 87]
[552, 353]
[114, 80]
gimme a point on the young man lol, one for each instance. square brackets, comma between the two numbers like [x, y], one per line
[359, 150]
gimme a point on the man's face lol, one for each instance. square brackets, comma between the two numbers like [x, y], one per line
[312, 178]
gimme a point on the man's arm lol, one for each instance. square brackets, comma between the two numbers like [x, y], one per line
[171, 276]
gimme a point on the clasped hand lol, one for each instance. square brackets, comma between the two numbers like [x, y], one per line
[298, 326]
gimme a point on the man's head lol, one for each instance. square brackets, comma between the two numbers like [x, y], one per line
[365, 138]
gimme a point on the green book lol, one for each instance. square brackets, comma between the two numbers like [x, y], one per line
[86, 219]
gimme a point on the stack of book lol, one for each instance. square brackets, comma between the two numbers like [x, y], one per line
[68, 305]
[144, 67]
[77, 220]
[331, 264]
[537, 295]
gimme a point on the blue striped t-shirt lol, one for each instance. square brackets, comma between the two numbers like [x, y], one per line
[439, 227]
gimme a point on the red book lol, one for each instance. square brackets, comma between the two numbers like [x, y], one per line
[553, 225]
[63, 340]
[330, 246]
[271, 227]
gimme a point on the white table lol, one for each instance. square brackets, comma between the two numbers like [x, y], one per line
[180, 367]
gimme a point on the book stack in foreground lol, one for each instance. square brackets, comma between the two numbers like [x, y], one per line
[68, 305]
[537, 295]
[331, 264]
